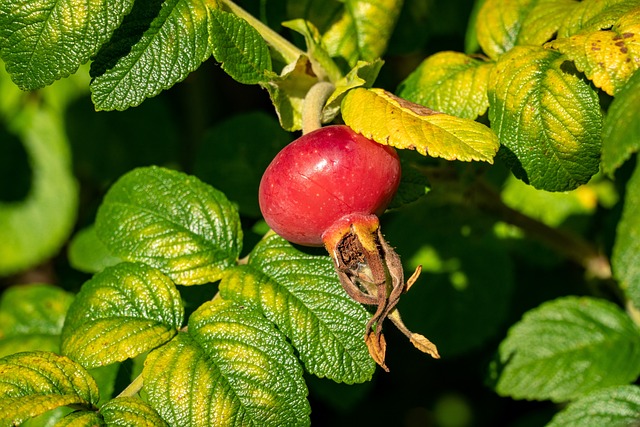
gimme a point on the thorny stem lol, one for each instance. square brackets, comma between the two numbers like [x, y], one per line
[313, 104]
[289, 52]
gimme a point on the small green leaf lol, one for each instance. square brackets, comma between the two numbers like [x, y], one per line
[288, 91]
[82, 419]
[451, 82]
[88, 254]
[234, 154]
[612, 407]
[389, 120]
[240, 49]
[594, 15]
[130, 411]
[363, 30]
[625, 259]
[171, 221]
[607, 57]
[621, 130]
[548, 119]
[158, 44]
[121, 312]
[44, 40]
[35, 228]
[232, 368]
[301, 294]
[566, 348]
[33, 383]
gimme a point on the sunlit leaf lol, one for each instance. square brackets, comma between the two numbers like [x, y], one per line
[543, 21]
[121, 312]
[82, 419]
[171, 221]
[566, 348]
[389, 120]
[33, 383]
[451, 82]
[44, 40]
[621, 130]
[158, 44]
[547, 118]
[130, 411]
[612, 406]
[498, 24]
[301, 294]
[594, 15]
[607, 57]
[232, 368]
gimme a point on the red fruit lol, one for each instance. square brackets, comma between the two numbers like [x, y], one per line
[324, 176]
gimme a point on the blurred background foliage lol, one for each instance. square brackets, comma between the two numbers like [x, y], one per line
[480, 272]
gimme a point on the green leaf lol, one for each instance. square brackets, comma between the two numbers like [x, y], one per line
[547, 118]
[130, 411]
[233, 368]
[288, 91]
[625, 260]
[44, 40]
[33, 383]
[621, 130]
[363, 30]
[389, 120]
[121, 312]
[300, 293]
[171, 221]
[451, 82]
[158, 44]
[234, 154]
[607, 57]
[567, 348]
[594, 15]
[612, 407]
[88, 254]
[543, 21]
[240, 49]
[82, 419]
[363, 74]
[31, 318]
[35, 228]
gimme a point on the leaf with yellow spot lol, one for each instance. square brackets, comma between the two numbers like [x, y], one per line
[607, 57]
[300, 293]
[130, 411]
[81, 419]
[35, 382]
[233, 367]
[594, 15]
[451, 82]
[170, 221]
[390, 120]
[548, 119]
[42, 41]
[121, 312]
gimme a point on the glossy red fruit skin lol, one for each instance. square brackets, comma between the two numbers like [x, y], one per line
[323, 176]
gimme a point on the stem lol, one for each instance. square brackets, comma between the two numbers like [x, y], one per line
[133, 388]
[313, 105]
[289, 52]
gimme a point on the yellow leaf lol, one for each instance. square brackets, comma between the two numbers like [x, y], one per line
[607, 57]
[389, 120]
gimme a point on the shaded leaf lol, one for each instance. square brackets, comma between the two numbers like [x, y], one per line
[625, 259]
[158, 44]
[566, 348]
[612, 407]
[301, 294]
[130, 411]
[607, 57]
[548, 119]
[240, 49]
[88, 254]
[35, 228]
[44, 40]
[363, 30]
[33, 383]
[451, 82]
[233, 368]
[621, 130]
[121, 312]
[389, 120]
[171, 221]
